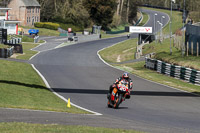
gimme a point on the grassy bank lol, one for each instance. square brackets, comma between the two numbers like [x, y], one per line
[145, 19]
[38, 128]
[121, 52]
[162, 51]
[27, 52]
[42, 31]
[176, 19]
[139, 70]
[21, 87]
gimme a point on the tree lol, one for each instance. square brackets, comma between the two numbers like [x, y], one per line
[64, 11]
[101, 11]
[132, 14]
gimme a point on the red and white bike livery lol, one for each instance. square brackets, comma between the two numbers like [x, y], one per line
[118, 94]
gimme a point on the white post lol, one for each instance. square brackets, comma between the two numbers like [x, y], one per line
[155, 22]
[163, 17]
[187, 48]
[161, 30]
[192, 48]
[197, 49]
[160, 35]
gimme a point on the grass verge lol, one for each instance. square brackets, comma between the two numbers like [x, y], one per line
[38, 128]
[27, 52]
[21, 87]
[176, 19]
[139, 70]
[163, 53]
[43, 31]
[121, 52]
[145, 19]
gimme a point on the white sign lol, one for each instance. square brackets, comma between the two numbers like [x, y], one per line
[139, 29]
[69, 29]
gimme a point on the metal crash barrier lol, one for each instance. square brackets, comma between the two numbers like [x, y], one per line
[187, 74]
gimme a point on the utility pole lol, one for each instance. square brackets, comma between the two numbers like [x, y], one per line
[184, 18]
[170, 30]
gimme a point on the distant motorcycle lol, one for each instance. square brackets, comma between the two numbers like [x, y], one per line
[118, 95]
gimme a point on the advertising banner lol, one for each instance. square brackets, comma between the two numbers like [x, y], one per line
[139, 29]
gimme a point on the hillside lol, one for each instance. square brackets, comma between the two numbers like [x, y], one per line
[190, 5]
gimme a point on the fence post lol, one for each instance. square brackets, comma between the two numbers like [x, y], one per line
[197, 49]
[187, 48]
[192, 47]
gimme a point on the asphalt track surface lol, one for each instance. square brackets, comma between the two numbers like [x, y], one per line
[76, 72]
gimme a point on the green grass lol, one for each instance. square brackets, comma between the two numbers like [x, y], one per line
[27, 53]
[186, 61]
[27, 39]
[39, 128]
[47, 32]
[163, 50]
[43, 31]
[24, 38]
[21, 87]
[162, 53]
[124, 50]
[120, 27]
[145, 19]
[4, 46]
[176, 20]
[139, 69]
[104, 36]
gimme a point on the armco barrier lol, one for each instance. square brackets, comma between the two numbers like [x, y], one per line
[6, 52]
[187, 74]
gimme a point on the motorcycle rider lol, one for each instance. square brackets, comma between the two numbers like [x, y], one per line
[125, 77]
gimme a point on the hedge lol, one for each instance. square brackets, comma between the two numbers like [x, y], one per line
[47, 25]
[55, 26]
[74, 28]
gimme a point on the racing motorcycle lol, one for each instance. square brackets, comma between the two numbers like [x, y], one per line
[118, 94]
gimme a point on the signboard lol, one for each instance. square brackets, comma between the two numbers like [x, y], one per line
[139, 29]
[69, 30]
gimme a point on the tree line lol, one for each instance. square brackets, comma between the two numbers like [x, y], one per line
[107, 13]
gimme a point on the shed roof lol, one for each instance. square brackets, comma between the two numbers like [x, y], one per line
[30, 2]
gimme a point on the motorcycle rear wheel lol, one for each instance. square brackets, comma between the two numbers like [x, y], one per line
[109, 106]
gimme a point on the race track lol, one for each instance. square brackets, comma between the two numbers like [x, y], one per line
[76, 72]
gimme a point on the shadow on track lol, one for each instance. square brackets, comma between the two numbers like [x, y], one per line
[138, 93]
[22, 84]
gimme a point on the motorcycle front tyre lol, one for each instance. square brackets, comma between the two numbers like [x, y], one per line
[118, 101]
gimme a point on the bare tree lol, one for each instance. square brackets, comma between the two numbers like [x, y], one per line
[118, 6]
[127, 10]
[121, 8]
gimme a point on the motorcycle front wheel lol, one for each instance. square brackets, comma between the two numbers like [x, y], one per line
[118, 101]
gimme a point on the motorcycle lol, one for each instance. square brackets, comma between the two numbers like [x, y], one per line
[118, 94]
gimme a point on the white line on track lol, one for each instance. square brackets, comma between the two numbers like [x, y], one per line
[48, 86]
[64, 99]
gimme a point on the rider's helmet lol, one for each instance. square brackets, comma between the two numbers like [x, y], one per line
[125, 75]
